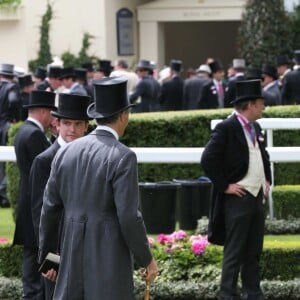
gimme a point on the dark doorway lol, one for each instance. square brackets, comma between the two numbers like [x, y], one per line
[193, 42]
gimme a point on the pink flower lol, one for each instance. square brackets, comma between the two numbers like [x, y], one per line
[179, 235]
[151, 241]
[174, 247]
[165, 239]
[4, 240]
[198, 247]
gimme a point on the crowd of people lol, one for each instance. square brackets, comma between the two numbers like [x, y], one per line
[59, 212]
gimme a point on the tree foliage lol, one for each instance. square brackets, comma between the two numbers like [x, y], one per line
[295, 27]
[264, 32]
[44, 54]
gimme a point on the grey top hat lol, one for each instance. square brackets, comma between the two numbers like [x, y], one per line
[248, 90]
[144, 64]
[110, 97]
[7, 70]
[71, 106]
[239, 63]
[41, 99]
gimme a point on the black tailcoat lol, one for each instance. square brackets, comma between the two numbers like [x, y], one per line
[29, 142]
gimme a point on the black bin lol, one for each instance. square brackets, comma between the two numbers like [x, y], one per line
[193, 202]
[158, 204]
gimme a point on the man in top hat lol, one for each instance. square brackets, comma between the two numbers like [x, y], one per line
[104, 69]
[271, 90]
[193, 87]
[26, 85]
[283, 67]
[71, 83]
[31, 140]
[10, 110]
[172, 89]
[213, 91]
[72, 123]
[147, 90]
[239, 68]
[291, 87]
[52, 82]
[236, 161]
[40, 75]
[94, 181]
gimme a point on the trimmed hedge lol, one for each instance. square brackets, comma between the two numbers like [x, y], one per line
[11, 289]
[276, 264]
[185, 129]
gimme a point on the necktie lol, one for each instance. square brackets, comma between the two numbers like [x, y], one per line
[221, 90]
[251, 130]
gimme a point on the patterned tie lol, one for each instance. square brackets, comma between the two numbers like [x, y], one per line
[252, 132]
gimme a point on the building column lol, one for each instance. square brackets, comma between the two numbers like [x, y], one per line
[151, 41]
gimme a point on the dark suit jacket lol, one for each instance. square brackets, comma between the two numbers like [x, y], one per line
[39, 174]
[225, 160]
[192, 91]
[29, 142]
[209, 97]
[291, 88]
[272, 95]
[149, 90]
[230, 91]
[171, 94]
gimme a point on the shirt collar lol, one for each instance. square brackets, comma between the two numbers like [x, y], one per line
[109, 129]
[37, 123]
[61, 141]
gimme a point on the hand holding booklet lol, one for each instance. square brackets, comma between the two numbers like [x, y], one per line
[50, 262]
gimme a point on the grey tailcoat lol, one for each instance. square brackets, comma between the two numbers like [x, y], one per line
[94, 179]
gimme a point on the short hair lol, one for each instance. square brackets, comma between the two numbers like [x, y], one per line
[122, 63]
[111, 119]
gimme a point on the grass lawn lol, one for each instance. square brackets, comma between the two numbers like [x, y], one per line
[7, 227]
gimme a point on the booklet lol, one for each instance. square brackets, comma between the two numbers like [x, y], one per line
[51, 261]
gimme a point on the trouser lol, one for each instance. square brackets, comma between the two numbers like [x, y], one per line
[244, 224]
[33, 284]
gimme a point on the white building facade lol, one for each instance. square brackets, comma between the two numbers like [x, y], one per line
[158, 30]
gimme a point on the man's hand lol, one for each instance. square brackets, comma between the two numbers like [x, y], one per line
[150, 272]
[235, 189]
[51, 275]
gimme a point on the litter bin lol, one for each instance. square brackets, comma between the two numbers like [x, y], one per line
[158, 204]
[193, 202]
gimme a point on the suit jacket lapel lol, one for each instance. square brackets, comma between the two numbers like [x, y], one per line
[238, 130]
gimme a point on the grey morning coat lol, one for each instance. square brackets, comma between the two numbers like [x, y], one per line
[94, 180]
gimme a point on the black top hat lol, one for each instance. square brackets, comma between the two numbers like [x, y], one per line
[25, 80]
[215, 66]
[41, 99]
[105, 66]
[144, 64]
[283, 60]
[67, 72]
[72, 106]
[80, 73]
[110, 97]
[248, 90]
[54, 72]
[175, 65]
[7, 70]
[253, 73]
[88, 66]
[40, 72]
[297, 56]
[269, 70]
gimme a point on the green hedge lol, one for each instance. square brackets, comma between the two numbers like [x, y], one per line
[286, 201]
[11, 289]
[182, 129]
[276, 264]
